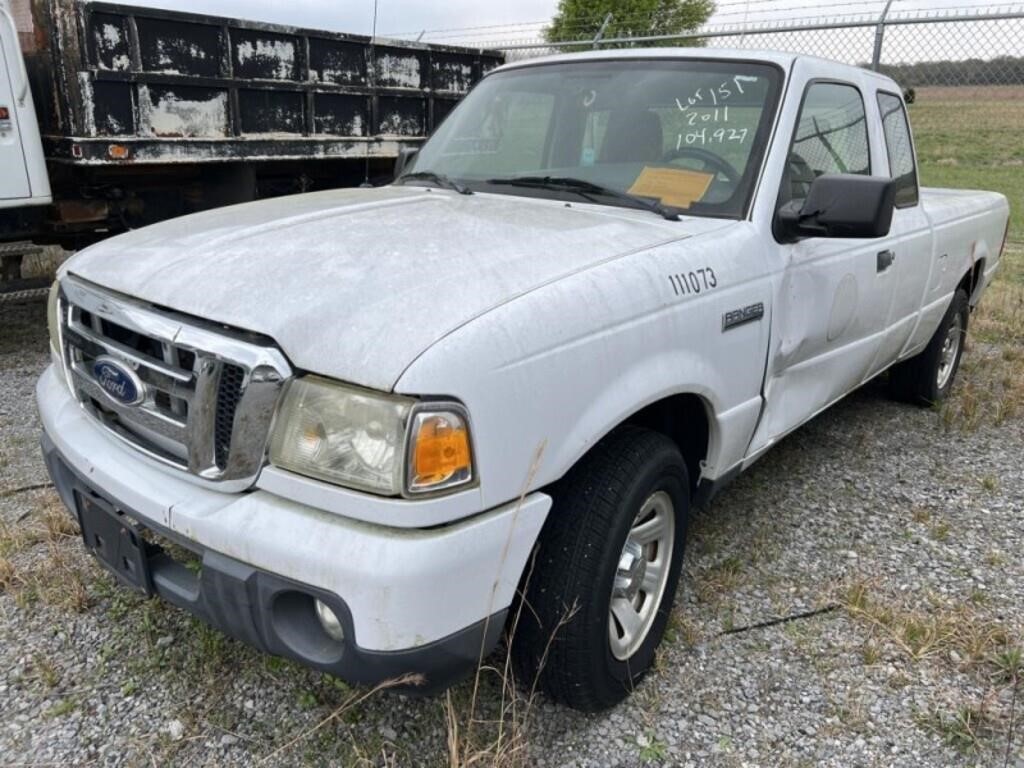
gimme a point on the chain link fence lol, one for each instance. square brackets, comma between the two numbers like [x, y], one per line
[978, 46]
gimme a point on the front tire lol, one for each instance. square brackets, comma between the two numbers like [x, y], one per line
[927, 378]
[606, 571]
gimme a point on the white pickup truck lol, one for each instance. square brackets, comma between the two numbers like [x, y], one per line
[606, 285]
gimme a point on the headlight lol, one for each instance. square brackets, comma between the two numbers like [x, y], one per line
[370, 441]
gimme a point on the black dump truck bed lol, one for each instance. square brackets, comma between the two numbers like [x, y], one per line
[123, 85]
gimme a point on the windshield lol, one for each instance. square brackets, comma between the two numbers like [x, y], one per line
[688, 134]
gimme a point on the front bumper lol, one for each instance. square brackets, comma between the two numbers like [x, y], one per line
[410, 600]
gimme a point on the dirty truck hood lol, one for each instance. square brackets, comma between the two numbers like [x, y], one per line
[355, 284]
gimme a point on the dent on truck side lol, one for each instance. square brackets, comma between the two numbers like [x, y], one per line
[565, 364]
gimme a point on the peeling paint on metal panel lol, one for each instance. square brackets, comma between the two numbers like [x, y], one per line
[399, 71]
[88, 107]
[341, 65]
[453, 75]
[169, 51]
[280, 52]
[174, 116]
[111, 41]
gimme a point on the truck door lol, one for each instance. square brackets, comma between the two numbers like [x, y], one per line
[833, 303]
[13, 171]
[911, 236]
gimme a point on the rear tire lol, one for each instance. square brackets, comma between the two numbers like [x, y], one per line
[606, 571]
[928, 377]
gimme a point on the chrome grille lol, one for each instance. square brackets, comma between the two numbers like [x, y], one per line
[232, 378]
[207, 393]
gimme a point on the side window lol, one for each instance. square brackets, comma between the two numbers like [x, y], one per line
[900, 150]
[831, 137]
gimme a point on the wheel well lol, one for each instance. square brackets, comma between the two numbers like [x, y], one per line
[682, 418]
[972, 277]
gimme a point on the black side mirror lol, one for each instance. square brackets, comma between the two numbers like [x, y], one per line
[839, 205]
[404, 159]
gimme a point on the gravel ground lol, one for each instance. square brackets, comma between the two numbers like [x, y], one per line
[905, 534]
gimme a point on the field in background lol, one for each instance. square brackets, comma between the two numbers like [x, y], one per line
[970, 137]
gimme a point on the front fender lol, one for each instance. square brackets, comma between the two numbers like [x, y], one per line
[556, 370]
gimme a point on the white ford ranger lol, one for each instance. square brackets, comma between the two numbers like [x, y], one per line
[605, 286]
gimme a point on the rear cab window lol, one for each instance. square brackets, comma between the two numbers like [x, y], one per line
[899, 147]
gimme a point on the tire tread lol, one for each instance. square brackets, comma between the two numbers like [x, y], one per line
[587, 503]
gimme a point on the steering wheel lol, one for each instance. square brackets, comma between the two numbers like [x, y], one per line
[710, 160]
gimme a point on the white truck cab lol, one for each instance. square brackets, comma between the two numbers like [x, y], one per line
[24, 180]
[387, 420]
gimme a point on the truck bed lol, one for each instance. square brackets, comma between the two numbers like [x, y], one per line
[961, 220]
[119, 84]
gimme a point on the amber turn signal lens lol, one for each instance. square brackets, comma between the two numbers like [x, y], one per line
[440, 452]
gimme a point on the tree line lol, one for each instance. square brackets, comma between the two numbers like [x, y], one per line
[1001, 70]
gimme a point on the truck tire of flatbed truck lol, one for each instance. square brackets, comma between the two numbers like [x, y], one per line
[927, 378]
[598, 596]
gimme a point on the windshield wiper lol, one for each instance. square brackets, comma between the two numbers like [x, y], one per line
[438, 178]
[589, 190]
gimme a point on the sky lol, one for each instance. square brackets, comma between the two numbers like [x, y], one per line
[508, 19]
[394, 16]
[488, 23]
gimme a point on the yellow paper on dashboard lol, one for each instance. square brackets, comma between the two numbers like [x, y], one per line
[676, 187]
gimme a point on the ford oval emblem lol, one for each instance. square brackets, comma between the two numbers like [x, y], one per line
[118, 381]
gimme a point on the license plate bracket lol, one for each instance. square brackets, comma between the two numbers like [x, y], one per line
[115, 541]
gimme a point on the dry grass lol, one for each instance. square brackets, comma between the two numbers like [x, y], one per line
[58, 578]
[985, 650]
[990, 383]
[967, 727]
[496, 736]
[931, 629]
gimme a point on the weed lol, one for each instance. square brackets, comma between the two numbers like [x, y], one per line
[940, 531]
[63, 707]
[274, 664]
[719, 579]
[8, 574]
[651, 748]
[45, 671]
[995, 558]
[871, 653]
[978, 597]
[963, 729]
[1009, 664]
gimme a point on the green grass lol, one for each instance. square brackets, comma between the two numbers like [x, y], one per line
[970, 138]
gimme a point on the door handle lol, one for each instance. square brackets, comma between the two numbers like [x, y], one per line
[884, 260]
